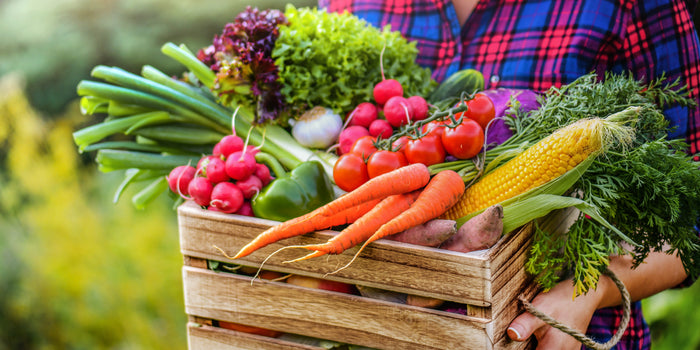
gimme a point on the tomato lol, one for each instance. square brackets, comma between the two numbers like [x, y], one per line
[400, 144]
[436, 127]
[480, 109]
[465, 140]
[350, 171]
[364, 146]
[384, 161]
[427, 150]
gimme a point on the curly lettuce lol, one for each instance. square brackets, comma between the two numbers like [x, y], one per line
[333, 60]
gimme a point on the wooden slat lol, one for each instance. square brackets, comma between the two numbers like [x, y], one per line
[203, 337]
[328, 315]
[460, 277]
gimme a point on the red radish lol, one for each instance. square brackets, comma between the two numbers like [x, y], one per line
[200, 190]
[226, 197]
[364, 114]
[216, 170]
[202, 165]
[398, 111]
[249, 186]
[262, 172]
[217, 150]
[179, 178]
[230, 144]
[381, 128]
[247, 210]
[348, 137]
[419, 106]
[386, 89]
[240, 165]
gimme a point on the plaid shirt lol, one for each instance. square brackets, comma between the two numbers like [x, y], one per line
[538, 44]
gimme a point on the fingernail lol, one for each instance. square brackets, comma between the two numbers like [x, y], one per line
[514, 334]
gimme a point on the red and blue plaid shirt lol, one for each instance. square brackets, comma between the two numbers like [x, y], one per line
[538, 44]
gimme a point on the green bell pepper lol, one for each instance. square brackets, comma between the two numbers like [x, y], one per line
[292, 194]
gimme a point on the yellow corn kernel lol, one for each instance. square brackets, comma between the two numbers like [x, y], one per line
[548, 159]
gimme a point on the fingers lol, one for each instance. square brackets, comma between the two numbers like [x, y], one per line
[524, 326]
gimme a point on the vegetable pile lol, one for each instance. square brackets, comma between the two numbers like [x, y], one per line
[318, 120]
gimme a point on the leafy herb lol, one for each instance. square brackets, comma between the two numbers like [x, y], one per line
[332, 60]
[241, 57]
[650, 190]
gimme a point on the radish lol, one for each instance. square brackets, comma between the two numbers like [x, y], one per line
[249, 186]
[419, 106]
[179, 178]
[386, 89]
[217, 150]
[381, 127]
[246, 209]
[348, 137]
[202, 165]
[364, 114]
[216, 170]
[226, 197]
[230, 144]
[240, 165]
[262, 172]
[398, 111]
[200, 190]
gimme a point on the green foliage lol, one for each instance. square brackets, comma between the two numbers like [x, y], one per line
[56, 43]
[333, 60]
[673, 318]
[78, 272]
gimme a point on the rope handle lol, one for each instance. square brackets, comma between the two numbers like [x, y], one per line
[581, 337]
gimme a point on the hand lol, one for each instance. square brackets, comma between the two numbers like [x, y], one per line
[559, 304]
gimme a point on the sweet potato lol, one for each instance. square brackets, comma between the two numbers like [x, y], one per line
[417, 300]
[430, 234]
[480, 232]
[381, 294]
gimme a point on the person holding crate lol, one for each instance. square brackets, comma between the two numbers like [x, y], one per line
[536, 45]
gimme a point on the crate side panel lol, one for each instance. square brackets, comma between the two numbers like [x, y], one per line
[384, 264]
[207, 337]
[328, 315]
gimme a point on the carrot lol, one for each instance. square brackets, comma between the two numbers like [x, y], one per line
[304, 224]
[444, 190]
[364, 227]
[402, 180]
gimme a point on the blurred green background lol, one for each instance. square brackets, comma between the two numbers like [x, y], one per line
[76, 270]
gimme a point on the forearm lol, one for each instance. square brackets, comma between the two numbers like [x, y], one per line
[658, 272]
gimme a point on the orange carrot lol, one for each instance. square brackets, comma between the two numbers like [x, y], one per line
[443, 191]
[363, 227]
[304, 224]
[402, 180]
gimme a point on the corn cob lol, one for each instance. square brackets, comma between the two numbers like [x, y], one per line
[544, 161]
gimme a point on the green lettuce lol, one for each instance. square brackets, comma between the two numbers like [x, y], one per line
[333, 60]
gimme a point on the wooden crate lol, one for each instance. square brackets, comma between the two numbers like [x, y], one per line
[488, 282]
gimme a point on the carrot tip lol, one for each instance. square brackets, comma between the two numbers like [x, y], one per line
[314, 254]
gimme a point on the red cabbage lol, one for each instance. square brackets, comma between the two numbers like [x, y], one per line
[498, 130]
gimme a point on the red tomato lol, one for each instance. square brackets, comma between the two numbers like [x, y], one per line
[480, 109]
[350, 171]
[465, 140]
[400, 144]
[384, 161]
[435, 128]
[427, 150]
[364, 146]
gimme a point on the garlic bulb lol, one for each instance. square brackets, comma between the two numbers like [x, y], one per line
[318, 127]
